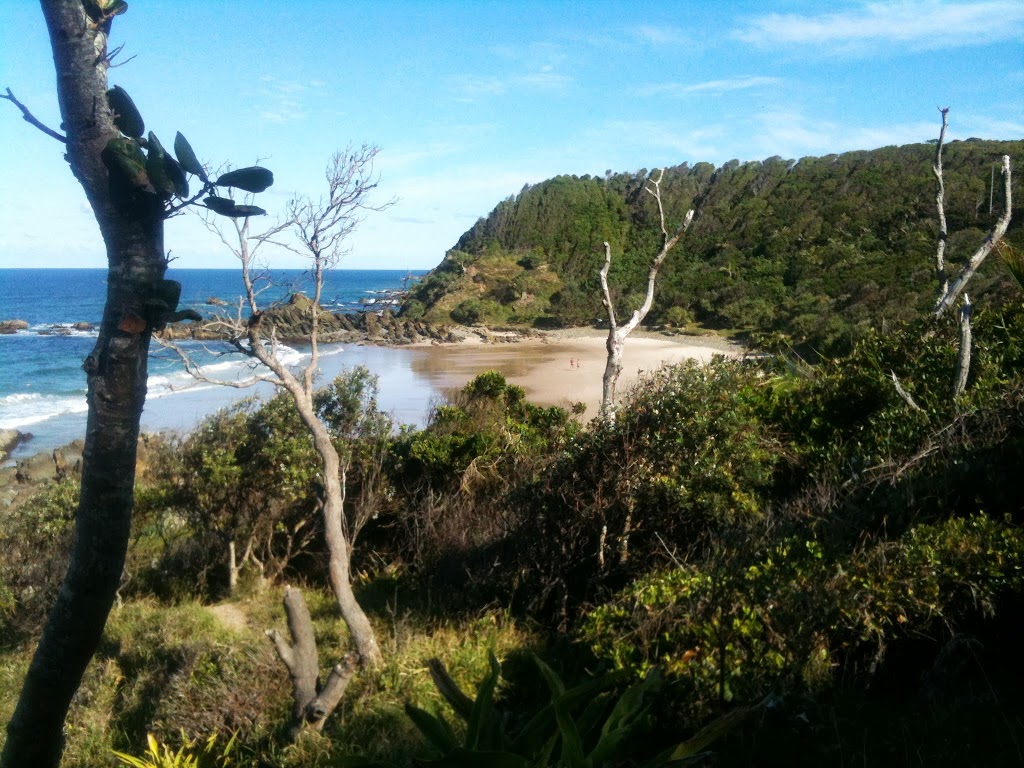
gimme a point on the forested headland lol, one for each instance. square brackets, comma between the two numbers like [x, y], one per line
[809, 253]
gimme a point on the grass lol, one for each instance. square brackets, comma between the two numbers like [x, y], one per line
[168, 668]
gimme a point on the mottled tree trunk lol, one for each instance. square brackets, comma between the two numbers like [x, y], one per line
[617, 334]
[338, 547]
[312, 703]
[116, 370]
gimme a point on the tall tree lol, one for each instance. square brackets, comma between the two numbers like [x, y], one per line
[132, 185]
[319, 228]
[949, 292]
[617, 333]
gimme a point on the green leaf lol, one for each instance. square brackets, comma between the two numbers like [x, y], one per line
[434, 729]
[482, 718]
[253, 179]
[632, 703]
[115, 7]
[126, 114]
[187, 158]
[712, 732]
[176, 175]
[156, 168]
[124, 157]
[227, 207]
[248, 210]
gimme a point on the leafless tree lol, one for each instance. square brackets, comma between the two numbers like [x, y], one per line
[316, 228]
[949, 292]
[617, 334]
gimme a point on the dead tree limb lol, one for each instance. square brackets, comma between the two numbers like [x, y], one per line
[319, 229]
[906, 396]
[954, 289]
[28, 117]
[312, 703]
[940, 205]
[617, 334]
[963, 358]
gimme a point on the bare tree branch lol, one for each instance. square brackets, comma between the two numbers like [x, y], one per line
[907, 397]
[30, 118]
[616, 334]
[963, 360]
[940, 197]
[319, 228]
[991, 240]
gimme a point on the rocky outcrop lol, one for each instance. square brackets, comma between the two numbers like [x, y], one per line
[292, 323]
[9, 440]
[12, 326]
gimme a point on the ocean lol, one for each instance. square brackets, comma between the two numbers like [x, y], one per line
[42, 385]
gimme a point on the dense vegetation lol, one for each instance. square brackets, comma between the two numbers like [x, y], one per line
[813, 252]
[757, 562]
[789, 553]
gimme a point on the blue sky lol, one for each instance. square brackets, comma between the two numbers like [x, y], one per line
[469, 101]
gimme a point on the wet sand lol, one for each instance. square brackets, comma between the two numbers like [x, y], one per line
[542, 366]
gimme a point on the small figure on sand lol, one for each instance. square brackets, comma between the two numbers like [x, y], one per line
[572, 363]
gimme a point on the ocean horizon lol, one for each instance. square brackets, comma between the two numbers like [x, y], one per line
[43, 387]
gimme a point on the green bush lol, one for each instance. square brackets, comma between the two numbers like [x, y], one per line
[730, 628]
[469, 312]
[35, 548]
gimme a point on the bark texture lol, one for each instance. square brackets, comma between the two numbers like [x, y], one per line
[116, 370]
[312, 703]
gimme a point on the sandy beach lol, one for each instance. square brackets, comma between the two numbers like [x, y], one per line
[413, 378]
[541, 365]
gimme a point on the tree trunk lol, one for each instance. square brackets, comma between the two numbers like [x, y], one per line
[339, 553]
[312, 703]
[612, 370]
[116, 370]
[338, 548]
[232, 568]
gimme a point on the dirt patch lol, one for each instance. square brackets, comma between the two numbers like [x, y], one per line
[230, 615]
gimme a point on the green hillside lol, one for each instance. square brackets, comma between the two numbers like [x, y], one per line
[817, 249]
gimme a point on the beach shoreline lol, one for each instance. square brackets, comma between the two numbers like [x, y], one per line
[564, 367]
[557, 367]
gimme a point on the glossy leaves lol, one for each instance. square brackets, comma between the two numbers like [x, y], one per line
[252, 179]
[126, 115]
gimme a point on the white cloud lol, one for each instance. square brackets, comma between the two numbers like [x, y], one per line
[793, 134]
[710, 86]
[661, 35]
[923, 24]
[471, 88]
[284, 101]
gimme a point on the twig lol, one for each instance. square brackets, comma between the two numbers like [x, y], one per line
[30, 118]
[907, 397]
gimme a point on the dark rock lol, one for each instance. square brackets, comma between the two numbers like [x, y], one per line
[12, 326]
[213, 301]
[83, 326]
[9, 440]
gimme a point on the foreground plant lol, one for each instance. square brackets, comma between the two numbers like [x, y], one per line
[191, 754]
[584, 726]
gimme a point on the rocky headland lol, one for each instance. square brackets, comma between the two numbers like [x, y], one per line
[292, 323]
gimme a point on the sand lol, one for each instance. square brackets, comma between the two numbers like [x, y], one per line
[542, 365]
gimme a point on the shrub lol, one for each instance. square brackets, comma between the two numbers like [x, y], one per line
[469, 312]
[35, 547]
[731, 628]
